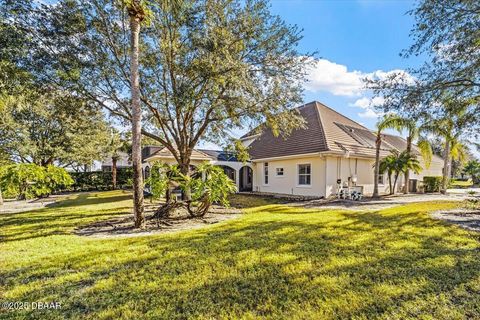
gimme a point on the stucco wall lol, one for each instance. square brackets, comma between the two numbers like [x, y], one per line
[325, 172]
[343, 168]
[288, 184]
[435, 169]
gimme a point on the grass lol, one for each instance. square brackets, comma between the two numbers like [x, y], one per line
[461, 183]
[275, 262]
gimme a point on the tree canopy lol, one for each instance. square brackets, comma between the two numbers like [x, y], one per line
[206, 67]
[446, 34]
[52, 128]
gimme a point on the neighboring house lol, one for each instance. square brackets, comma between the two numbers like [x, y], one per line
[331, 150]
[240, 172]
[123, 161]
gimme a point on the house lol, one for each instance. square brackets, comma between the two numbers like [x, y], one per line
[332, 150]
[123, 161]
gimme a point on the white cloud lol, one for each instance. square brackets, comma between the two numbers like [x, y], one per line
[396, 75]
[335, 78]
[368, 105]
[369, 113]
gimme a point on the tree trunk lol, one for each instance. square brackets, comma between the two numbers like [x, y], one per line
[446, 167]
[378, 143]
[407, 172]
[185, 170]
[138, 207]
[114, 172]
[1, 197]
[395, 182]
[390, 183]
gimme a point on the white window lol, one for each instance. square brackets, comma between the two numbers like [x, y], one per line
[279, 172]
[265, 173]
[304, 174]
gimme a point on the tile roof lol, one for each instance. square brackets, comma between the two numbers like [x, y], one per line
[326, 131]
[300, 141]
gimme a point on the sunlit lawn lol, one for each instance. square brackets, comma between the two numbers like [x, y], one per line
[274, 262]
[461, 183]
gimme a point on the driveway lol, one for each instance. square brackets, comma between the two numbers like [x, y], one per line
[15, 206]
[464, 190]
[382, 203]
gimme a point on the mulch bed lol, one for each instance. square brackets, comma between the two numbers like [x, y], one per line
[465, 218]
[123, 226]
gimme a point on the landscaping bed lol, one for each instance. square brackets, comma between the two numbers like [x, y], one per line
[465, 218]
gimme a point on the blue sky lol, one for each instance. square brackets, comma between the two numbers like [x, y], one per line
[353, 39]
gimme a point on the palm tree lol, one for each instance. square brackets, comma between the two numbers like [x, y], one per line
[389, 121]
[398, 163]
[414, 132]
[451, 126]
[116, 146]
[388, 165]
[407, 162]
[137, 12]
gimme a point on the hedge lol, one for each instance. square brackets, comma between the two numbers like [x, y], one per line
[432, 184]
[101, 180]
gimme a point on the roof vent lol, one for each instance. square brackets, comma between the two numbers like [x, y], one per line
[352, 130]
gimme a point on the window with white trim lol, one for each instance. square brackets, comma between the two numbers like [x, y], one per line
[279, 172]
[265, 173]
[304, 174]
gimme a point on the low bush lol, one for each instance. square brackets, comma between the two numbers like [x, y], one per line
[432, 184]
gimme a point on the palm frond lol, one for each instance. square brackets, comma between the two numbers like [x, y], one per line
[459, 151]
[426, 151]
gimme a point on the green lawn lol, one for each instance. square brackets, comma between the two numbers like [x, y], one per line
[274, 262]
[461, 183]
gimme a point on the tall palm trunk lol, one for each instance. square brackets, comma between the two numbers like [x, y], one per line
[114, 172]
[138, 208]
[407, 172]
[378, 143]
[446, 167]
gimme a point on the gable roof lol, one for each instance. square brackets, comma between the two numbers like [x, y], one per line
[326, 131]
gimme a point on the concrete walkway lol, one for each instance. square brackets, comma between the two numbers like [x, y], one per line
[382, 203]
[15, 206]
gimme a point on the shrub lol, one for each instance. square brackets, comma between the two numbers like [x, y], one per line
[101, 180]
[209, 184]
[432, 184]
[28, 180]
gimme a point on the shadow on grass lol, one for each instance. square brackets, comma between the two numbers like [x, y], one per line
[274, 264]
[90, 198]
[62, 217]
